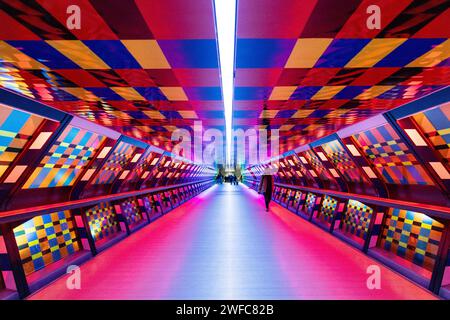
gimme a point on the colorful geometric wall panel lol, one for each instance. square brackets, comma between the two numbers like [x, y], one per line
[435, 125]
[46, 239]
[102, 221]
[317, 165]
[342, 161]
[138, 170]
[357, 218]
[328, 210]
[310, 202]
[16, 129]
[413, 236]
[130, 210]
[64, 162]
[118, 159]
[391, 157]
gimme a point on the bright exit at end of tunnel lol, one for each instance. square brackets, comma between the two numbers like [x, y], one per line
[224, 158]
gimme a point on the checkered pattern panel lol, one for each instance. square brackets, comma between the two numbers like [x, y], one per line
[435, 125]
[130, 210]
[46, 239]
[413, 236]
[329, 206]
[138, 169]
[64, 162]
[391, 156]
[357, 218]
[147, 204]
[342, 161]
[115, 163]
[310, 202]
[102, 221]
[317, 165]
[16, 129]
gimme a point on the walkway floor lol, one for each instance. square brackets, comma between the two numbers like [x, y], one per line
[223, 245]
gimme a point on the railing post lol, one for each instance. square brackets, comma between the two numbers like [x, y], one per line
[15, 261]
[441, 261]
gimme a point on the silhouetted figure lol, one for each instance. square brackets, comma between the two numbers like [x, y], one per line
[266, 188]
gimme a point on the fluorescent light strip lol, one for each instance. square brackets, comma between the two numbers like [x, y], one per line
[225, 11]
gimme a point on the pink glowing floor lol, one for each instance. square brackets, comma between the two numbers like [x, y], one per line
[223, 245]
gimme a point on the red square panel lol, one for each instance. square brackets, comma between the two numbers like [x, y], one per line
[319, 76]
[81, 77]
[179, 19]
[273, 19]
[257, 77]
[292, 77]
[437, 28]
[93, 27]
[136, 77]
[163, 77]
[374, 76]
[355, 27]
[11, 29]
[198, 77]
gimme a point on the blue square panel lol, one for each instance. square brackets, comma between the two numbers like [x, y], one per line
[252, 93]
[350, 92]
[318, 114]
[151, 93]
[210, 114]
[285, 114]
[263, 53]
[105, 93]
[203, 93]
[304, 92]
[408, 51]
[171, 114]
[198, 53]
[45, 54]
[113, 53]
[137, 115]
[340, 52]
[246, 114]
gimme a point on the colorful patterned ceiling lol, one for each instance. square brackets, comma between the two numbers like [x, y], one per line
[311, 67]
[140, 67]
[305, 67]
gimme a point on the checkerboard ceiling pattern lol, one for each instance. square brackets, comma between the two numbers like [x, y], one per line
[140, 67]
[311, 67]
[306, 67]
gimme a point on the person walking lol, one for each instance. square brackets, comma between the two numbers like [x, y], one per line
[266, 187]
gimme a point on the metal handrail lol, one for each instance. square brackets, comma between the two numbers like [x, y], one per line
[28, 213]
[430, 210]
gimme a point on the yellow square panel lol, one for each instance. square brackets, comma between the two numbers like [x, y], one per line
[286, 127]
[373, 92]
[79, 53]
[148, 53]
[153, 114]
[282, 93]
[128, 93]
[174, 93]
[306, 52]
[22, 61]
[327, 92]
[433, 57]
[374, 52]
[302, 113]
[268, 114]
[82, 94]
[188, 114]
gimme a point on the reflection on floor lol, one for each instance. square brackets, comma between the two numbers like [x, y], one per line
[223, 245]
